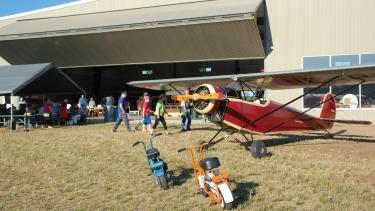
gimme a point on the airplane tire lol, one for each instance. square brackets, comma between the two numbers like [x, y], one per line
[258, 149]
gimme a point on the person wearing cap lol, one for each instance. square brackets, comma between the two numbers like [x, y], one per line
[122, 116]
[159, 114]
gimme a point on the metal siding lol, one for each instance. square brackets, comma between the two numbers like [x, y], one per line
[211, 41]
[150, 15]
[317, 27]
[106, 5]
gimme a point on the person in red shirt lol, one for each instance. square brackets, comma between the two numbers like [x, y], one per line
[146, 113]
[64, 112]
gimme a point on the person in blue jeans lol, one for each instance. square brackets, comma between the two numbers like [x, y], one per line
[82, 102]
[122, 116]
[185, 114]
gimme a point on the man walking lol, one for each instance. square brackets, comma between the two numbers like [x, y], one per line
[185, 114]
[159, 115]
[122, 116]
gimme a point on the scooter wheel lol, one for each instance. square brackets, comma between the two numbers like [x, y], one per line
[201, 191]
[163, 182]
[225, 206]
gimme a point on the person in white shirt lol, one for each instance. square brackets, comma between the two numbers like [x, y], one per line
[185, 114]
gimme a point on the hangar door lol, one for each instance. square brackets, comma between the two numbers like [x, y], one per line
[199, 31]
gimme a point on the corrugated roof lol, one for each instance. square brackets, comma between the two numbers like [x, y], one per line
[134, 18]
[197, 42]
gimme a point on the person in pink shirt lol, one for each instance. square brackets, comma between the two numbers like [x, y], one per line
[47, 107]
[47, 110]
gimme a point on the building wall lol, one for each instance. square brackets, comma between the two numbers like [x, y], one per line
[318, 27]
[94, 6]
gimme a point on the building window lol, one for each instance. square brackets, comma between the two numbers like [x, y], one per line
[368, 96]
[362, 96]
[345, 61]
[319, 62]
[315, 97]
[349, 99]
[147, 72]
[205, 70]
[311, 63]
[367, 59]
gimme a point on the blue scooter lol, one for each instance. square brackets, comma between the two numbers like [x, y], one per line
[158, 166]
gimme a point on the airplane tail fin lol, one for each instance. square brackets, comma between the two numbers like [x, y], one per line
[329, 109]
[328, 113]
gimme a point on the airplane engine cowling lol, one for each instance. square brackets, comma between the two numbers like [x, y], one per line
[206, 106]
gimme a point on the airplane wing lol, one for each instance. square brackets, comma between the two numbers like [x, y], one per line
[183, 83]
[276, 80]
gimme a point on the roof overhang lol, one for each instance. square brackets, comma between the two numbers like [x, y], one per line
[36, 79]
[207, 30]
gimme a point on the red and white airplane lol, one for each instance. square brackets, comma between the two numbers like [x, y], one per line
[223, 100]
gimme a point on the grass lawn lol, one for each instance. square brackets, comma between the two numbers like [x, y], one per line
[91, 168]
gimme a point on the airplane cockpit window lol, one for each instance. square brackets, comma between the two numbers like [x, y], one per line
[248, 96]
[230, 92]
[256, 96]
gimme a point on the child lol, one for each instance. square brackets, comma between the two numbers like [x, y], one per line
[146, 113]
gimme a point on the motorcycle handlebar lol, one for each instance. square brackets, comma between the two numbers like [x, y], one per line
[181, 150]
[138, 142]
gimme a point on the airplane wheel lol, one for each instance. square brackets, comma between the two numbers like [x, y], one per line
[258, 149]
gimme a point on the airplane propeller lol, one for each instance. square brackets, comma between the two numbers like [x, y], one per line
[195, 97]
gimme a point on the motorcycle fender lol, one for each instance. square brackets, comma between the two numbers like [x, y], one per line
[226, 192]
[201, 181]
[159, 172]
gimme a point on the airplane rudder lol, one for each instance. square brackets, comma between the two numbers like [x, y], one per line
[329, 107]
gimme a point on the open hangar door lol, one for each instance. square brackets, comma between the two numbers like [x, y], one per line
[110, 81]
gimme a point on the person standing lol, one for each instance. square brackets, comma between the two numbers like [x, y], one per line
[122, 116]
[47, 113]
[146, 113]
[82, 103]
[139, 105]
[185, 114]
[159, 114]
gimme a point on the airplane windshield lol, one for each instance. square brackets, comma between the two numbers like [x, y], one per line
[248, 96]
[230, 92]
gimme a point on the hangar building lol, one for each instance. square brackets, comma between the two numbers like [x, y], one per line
[102, 44]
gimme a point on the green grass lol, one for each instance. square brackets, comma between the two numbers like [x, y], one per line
[91, 168]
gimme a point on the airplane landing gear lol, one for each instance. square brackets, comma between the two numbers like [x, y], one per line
[258, 149]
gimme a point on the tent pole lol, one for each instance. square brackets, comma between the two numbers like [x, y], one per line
[11, 112]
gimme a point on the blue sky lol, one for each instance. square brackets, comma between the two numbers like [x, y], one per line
[10, 7]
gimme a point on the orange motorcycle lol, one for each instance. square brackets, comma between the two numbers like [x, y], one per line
[210, 179]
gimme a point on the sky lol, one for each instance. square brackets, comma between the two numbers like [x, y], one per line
[11, 7]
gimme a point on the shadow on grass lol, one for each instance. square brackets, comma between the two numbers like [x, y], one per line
[244, 191]
[180, 176]
[206, 129]
[290, 138]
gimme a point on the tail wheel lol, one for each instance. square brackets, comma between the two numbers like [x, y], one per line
[258, 149]
[226, 206]
[163, 182]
